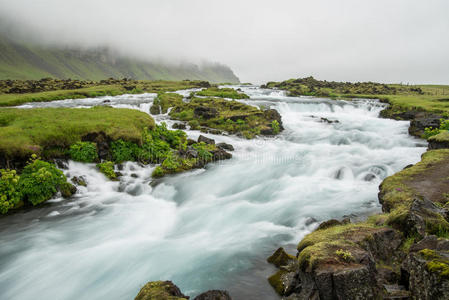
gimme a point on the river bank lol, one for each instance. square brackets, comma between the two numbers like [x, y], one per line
[401, 253]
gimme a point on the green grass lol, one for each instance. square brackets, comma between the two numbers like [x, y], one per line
[90, 92]
[231, 116]
[96, 89]
[432, 98]
[222, 93]
[27, 131]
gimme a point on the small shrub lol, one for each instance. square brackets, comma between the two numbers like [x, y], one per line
[171, 162]
[429, 131]
[275, 126]
[194, 124]
[124, 151]
[107, 168]
[40, 181]
[84, 152]
[10, 194]
[203, 151]
[344, 255]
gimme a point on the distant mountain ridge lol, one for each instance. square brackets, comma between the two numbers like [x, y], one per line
[28, 61]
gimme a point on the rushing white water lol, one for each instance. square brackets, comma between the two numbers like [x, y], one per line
[205, 229]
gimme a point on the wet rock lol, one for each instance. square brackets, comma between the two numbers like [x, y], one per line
[369, 177]
[179, 126]
[160, 290]
[273, 115]
[62, 164]
[205, 112]
[310, 221]
[326, 120]
[107, 101]
[134, 175]
[79, 180]
[328, 224]
[285, 282]
[206, 140]
[214, 295]
[67, 190]
[281, 258]
[220, 154]
[190, 142]
[191, 152]
[225, 146]
[423, 120]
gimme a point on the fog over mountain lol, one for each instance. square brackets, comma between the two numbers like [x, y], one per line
[386, 41]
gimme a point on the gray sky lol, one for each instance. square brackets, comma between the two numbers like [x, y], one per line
[354, 40]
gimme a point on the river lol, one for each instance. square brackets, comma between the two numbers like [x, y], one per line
[212, 228]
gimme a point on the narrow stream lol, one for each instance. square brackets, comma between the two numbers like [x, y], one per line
[205, 229]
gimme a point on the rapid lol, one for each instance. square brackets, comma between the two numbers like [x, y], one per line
[211, 228]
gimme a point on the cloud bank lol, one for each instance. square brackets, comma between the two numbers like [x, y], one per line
[348, 40]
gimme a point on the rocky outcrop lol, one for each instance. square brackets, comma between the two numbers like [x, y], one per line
[167, 290]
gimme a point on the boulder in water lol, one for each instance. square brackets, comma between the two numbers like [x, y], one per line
[214, 295]
[163, 290]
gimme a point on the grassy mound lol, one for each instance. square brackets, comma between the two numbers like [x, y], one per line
[220, 114]
[45, 130]
[222, 93]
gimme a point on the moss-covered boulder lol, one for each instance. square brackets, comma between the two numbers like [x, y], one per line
[160, 290]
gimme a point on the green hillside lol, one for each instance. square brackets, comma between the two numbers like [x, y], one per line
[26, 61]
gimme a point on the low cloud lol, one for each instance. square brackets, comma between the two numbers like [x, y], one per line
[349, 40]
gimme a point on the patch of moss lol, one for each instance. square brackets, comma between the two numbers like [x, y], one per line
[323, 245]
[222, 93]
[277, 282]
[394, 191]
[436, 263]
[442, 137]
[160, 290]
[107, 168]
[225, 115]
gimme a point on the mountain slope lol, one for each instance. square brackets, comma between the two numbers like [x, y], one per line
[24, 61]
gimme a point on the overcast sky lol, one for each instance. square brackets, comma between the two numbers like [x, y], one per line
[354, 40]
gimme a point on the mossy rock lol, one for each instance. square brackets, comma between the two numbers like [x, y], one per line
[160, 290]
[67, 190]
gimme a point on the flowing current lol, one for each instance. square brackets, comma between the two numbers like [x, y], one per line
[205, 229]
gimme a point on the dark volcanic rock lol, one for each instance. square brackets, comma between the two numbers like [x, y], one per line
[179, 126]
[205, 112]
[214, 295]
[206, 140]
[225, 146]
[220, 154]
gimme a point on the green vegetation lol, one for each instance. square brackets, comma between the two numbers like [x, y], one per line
[436, 263]
[49, 132]
[30, 61]
[224, 115]
[222, 93]
[124, 151]
[84, 152]
[275, 126]
[395, 190]
[332, 244]
[10, 195]
[107, 168]
[159, 290]
[344, 255]
[431, 98]
[18, 92]
[444, 129]
[40, 181]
